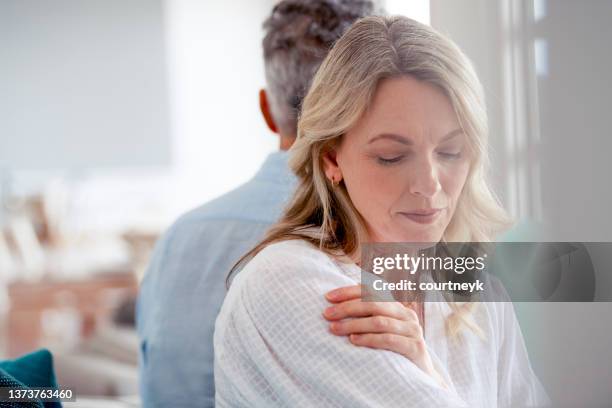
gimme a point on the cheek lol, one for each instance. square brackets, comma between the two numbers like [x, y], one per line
[452, 182]
[371, 188]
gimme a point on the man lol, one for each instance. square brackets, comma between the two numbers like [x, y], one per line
[184, 286]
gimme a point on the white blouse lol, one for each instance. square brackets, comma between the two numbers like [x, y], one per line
[273, 347]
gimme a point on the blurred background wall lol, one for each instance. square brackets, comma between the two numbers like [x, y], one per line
[84, 84]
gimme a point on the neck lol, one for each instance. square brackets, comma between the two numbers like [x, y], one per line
[285, 141]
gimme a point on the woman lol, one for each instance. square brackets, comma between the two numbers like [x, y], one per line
[391, 147]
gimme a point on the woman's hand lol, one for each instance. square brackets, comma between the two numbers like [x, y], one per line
[380, 325]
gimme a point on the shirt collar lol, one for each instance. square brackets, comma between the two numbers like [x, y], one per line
[276, 168]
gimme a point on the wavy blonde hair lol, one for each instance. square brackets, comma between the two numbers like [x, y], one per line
[375, 48]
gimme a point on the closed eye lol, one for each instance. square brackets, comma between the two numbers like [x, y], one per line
[450, 155]
[387, 161]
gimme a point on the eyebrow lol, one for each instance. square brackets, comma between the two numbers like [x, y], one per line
[406, 141]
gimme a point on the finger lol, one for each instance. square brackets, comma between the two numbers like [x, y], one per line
[406, 346]
[344, 293]
[359, 308]
[410, 305]
[376, 324]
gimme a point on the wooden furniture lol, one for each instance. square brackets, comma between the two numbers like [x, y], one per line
[92, 300]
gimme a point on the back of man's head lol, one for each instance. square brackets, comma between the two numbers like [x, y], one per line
[299, 33]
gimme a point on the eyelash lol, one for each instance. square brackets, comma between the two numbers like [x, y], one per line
[450, 155]
[387, 162]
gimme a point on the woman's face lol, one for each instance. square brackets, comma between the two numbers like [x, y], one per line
[404, 163]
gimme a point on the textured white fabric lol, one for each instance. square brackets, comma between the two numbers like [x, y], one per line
[273, 347]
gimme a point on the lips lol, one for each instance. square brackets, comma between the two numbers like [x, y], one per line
[423, 215]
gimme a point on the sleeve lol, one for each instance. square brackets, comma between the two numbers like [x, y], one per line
[175, 365]
[518, 385]
[298, 362]
[159, 384]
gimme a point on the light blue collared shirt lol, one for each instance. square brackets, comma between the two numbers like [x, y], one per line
[184, 286]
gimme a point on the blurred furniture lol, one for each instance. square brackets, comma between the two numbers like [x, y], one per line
[52, 312]
[103, 365]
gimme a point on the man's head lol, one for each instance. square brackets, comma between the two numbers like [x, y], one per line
[299, 33]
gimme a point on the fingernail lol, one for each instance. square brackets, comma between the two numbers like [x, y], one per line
[330, 311]
[331, 295]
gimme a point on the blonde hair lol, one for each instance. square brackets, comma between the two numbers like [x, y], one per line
[375, 48]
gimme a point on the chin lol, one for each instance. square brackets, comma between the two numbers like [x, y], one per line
[426, 237]
[423, 235]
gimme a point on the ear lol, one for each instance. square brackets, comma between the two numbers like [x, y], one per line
[265, 110]
[330, 165]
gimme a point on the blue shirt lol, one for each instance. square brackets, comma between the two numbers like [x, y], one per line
[184, 286]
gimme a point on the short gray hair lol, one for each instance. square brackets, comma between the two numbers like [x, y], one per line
[299, 34]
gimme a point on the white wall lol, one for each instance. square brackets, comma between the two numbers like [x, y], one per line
[148, 101]
[575, 118]
[83, 84]
[216, 70]
[415, 9]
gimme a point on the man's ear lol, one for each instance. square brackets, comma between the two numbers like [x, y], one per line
[265, 110]
[330, 165]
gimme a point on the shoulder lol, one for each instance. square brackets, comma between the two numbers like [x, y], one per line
[296, 252]
[282, 285]
[241, 208]
[294, 259]
[290, 271]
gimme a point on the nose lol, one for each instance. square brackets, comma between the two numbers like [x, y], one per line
[424, 180]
